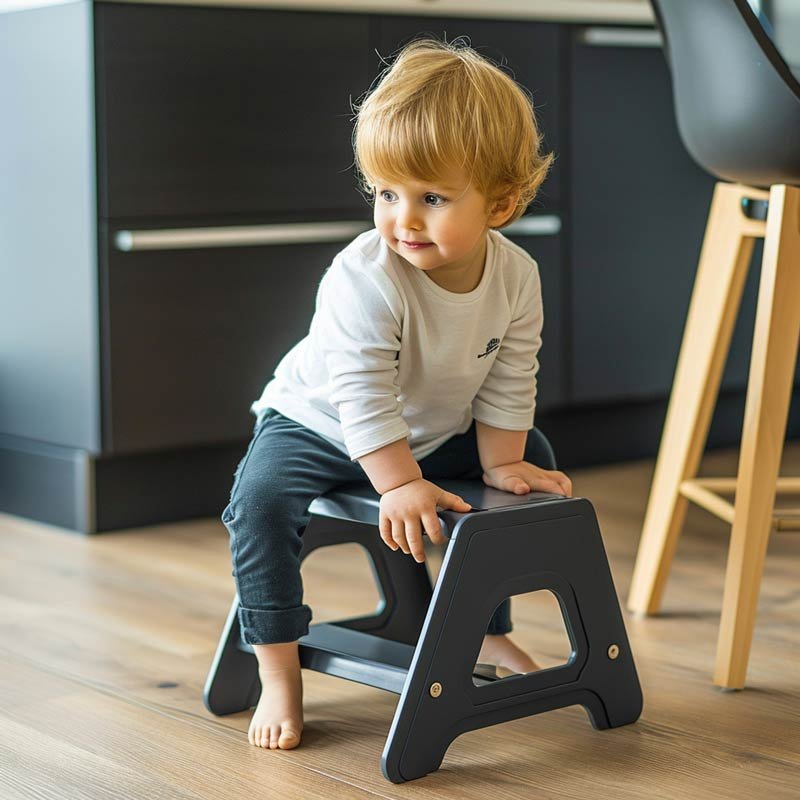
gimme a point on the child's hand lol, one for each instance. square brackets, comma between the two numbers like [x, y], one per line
[522, 477]
[408, 510]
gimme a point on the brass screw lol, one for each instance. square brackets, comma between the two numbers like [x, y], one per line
[613, 651]
[436, 689]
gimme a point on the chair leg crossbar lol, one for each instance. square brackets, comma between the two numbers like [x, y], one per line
[423, 642]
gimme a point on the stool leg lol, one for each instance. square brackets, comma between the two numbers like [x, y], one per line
[232, 684]
[769, 388]
[492, 556]
[721, 273]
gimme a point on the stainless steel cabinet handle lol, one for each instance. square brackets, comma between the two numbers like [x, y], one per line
[294, 233]
[620, 37]
[239, 235]
[544, 225]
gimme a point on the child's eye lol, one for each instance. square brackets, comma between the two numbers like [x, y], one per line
[387, 196]
[435, 200]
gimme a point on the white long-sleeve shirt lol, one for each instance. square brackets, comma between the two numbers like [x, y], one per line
[390, 354]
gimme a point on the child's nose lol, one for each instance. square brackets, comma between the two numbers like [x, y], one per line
[407, 217]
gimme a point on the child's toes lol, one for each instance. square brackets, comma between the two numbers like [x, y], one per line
[288, 739]
[274, 735]
[254, 735]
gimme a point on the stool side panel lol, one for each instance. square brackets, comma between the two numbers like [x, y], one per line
[517, 548]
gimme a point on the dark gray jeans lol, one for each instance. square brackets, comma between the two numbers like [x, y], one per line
[284, 469]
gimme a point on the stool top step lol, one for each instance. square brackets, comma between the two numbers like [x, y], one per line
[360, 502]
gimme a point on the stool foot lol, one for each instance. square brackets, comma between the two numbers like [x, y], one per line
[232, 684]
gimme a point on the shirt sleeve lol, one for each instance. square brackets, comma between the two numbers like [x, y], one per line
[359, 330]
[507, 397]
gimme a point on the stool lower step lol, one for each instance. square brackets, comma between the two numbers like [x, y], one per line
[354, 655]
[357, 656]
[361, 657]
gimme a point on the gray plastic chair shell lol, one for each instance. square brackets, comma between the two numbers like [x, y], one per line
[737, 102]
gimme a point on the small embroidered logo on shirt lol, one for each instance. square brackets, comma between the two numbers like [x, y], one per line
[491, 346]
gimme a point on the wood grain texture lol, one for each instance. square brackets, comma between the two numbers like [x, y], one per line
[769, 392]
[105, 643]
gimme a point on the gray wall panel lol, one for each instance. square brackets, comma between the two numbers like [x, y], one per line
[49, 379]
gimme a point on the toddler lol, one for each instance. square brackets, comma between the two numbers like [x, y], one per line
[420, 361]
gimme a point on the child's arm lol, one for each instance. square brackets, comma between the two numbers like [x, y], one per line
[390, 466]
[497, 446]
[408, 501]
[502, 452]
[507, 401]
[507, 398]
[357, 329]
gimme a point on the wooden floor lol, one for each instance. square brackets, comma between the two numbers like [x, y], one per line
[105, 643]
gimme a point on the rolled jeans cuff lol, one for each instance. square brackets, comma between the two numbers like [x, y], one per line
[261, 626]
[500, 622]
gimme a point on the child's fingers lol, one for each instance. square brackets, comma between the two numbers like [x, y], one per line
[385, 528]
[547, 485]
[562, 481]
[517, 485]
[433, 527]
[453, 501]
[399, 535]
[566, 483]
[414, 538]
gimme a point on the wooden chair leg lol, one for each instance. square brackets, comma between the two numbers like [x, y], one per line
[772, 369]
[721, 273]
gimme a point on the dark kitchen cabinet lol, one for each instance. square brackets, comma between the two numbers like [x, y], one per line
[136, 367]
[214, 117]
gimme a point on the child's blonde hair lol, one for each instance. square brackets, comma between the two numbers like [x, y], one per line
[441, 106]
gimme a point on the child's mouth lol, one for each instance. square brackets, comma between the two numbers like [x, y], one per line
[416, 245]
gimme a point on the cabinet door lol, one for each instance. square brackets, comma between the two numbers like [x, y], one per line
[639, 207]
[191, 336]
[532, 51]
[214, 112]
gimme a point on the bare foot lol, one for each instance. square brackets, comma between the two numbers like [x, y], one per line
[278, 719]
[500, 650]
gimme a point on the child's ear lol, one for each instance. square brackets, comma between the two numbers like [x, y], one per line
[502, 209]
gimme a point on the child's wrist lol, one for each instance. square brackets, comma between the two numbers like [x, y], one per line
[489, 465]
[390, 466]
[404, 483]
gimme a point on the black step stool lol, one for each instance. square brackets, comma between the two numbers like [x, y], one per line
[423, 641]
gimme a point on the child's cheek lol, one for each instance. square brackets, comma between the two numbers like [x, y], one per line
[384, 226]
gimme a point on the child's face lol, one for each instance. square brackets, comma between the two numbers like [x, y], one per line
[435, 226]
